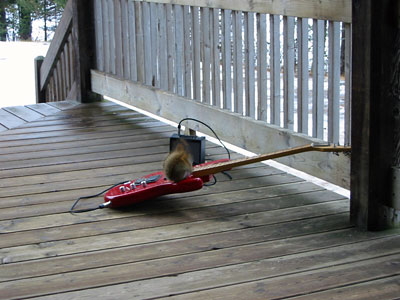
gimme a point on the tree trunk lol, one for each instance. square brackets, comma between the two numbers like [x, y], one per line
[25, 23]
[3, 24]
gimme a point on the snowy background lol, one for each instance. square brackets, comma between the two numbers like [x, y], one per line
[17, 77]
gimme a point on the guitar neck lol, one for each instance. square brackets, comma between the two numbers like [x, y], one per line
[200, 171]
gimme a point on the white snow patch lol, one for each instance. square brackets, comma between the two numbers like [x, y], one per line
[17, 77]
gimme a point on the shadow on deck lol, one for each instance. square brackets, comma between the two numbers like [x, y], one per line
[264, 235]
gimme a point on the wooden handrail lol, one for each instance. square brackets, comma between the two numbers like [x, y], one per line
[333, 10]
[56, 46]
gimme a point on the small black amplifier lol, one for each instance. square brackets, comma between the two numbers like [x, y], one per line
[196, 146]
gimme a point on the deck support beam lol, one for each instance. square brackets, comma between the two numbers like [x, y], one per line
[375, 114]
[83, 43]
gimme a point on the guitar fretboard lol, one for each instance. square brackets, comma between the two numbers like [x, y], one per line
[224, 166]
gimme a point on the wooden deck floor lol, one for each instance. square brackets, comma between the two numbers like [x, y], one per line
[263, 235]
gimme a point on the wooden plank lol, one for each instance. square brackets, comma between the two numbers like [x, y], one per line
[112, 40]
[64, 105]
[206, 50]
[347, 79]
[119, 63]
[106, 37]
[227, 126]
[216, 56]
[385, 288]
[163, 41]
[250, 66]
[155, 46]
[248, 277]
[125, 39]
[312, 281]
[262, 67]
[275, 71]
[148, 65]
[302, 76]
[24, 113]
[98, 15]
[44, 109]
[227, 60]
[288, 75]
[171, 48]
[333, 82]
[179, 40]
[196, 53]
[139, 42]
[318, 79]
[237, 61]
[337, 10]
[187, 25]
[3, 128]
[183, 246]
[10, 120]
[132, 40]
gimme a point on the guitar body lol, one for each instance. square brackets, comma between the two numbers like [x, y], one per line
[155, 184]
[152, 186]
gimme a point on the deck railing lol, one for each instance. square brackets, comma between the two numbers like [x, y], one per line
[55, 79]
[265, 75]
[276, 68]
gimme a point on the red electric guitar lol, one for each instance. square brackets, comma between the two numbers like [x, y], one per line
[155, 184]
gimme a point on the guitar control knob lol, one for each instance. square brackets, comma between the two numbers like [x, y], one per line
[122, 189]
[133, 186]
[144, 183]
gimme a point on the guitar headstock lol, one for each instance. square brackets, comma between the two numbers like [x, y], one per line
[328, 147]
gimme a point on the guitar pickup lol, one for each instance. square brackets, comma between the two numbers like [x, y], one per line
[150, 179]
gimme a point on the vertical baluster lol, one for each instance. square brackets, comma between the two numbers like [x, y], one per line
[205, 24]
[196, 52]
[125, 39]
[262, 79]
[187, 25]
[275, 71]
[347, 78]
[288, 82]
[302, 75]
[139, 42]
[179, 40]
[250, 66]
[318, 78]
[163, 42]
[238, 61]
[216, 58]
[111, 18]
[333, 82]
[154, 44]
[227, 60]
[171, 47]
[131, 17]
[106, 36]
[99, 35]
[118, 39]
[148, 70]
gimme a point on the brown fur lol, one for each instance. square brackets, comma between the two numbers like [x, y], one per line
[178, 164]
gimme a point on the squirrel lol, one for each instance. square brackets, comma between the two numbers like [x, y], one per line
[178, 164]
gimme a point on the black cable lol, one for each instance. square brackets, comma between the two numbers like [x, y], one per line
[191, 119]
[213, 183]
[72, 211]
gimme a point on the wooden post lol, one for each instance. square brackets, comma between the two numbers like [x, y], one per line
[84, 46]
[40, 95]
[375, 114]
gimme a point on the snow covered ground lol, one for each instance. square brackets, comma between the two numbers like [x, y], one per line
[17, 77]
